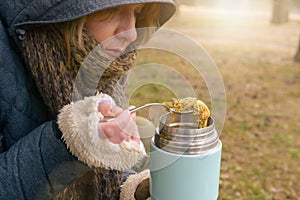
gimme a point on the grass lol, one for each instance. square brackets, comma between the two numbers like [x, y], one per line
[261, 135]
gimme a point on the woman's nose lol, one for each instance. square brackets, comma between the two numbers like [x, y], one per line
[127, 29]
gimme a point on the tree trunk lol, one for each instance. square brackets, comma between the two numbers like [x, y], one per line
[280, 11]
[297, 55]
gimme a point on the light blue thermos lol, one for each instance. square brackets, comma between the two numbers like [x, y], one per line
[185, 160]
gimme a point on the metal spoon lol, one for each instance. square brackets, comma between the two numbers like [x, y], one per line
[108, 119]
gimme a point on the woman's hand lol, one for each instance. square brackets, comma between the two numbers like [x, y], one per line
[123, 127]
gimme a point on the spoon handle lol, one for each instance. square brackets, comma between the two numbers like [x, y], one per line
[108, 119]
[147, 105]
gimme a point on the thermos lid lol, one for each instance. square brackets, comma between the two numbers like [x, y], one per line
[180, 134]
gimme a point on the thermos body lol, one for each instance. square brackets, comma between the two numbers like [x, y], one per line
[185, 162]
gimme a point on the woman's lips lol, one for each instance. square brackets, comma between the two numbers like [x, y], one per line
[114, 52]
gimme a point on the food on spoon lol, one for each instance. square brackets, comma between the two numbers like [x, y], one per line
[187, 104]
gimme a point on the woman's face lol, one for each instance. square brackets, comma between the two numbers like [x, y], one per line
[114, 29]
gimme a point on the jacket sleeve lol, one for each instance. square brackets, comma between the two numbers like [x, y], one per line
[38, 166]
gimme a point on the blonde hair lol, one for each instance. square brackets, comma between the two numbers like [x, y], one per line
[148, 17]
[147, 21]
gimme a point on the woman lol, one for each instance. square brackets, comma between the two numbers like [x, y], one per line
[45, 77]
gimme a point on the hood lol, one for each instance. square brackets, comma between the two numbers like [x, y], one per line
[16, 13]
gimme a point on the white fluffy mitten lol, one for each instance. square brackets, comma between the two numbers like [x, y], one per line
[136, 187]
[78, 123]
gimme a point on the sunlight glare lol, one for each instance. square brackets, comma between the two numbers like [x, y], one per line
[233, 10]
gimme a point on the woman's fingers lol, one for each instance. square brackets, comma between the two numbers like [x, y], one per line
[133, 114]
[123, 127]
[112, 132]
[136, 139]
[127, 124]
[105, 108]
[116, 110]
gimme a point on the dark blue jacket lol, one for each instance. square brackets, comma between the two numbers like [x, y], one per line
[34, 162]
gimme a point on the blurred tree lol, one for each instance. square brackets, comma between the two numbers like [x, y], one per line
[280, 11]
[297, 56]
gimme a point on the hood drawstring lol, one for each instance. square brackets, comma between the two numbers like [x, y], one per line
[20, 33]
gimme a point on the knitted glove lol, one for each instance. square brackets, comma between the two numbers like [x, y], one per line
[136, 187]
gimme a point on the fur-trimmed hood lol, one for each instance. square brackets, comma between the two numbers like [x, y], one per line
[18, 13]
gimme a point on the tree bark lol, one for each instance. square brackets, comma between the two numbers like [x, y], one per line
[297, 55]
[280, 13]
